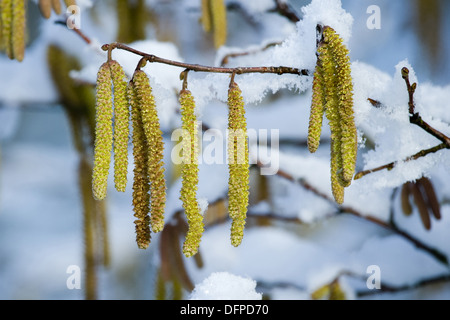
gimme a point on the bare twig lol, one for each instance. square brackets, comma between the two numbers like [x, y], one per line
[201, 68]
[391, 165]
[227, 57]
[416, 119]
[392, 289]
[414, 116]
[77, 31]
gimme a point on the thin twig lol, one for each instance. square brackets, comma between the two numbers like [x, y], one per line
[77, 31]
[414, 117]
[392, 289]
[390, 166]
[284, 9]
[201, 68]
[227, 57]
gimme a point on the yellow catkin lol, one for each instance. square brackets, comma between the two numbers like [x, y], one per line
[332, 113]
[336, 187]
[121, 126]
[345, 103]
[56, 5]
[238, 164]
[153, 134]
[103, 132]
[1, 27]
[18, 29]
[190, 174]
[317, 110]
[141, 183]
[7, 19]
[333, 94]
[206, 15]
[45, 7]
[219, 22]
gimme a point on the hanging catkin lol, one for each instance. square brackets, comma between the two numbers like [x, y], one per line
[219, 21]
[121, 125]
[7, 18]
[206, 15]
[189, 174]
[345, 104]
[238, 163]
[56, 5]
[45, 7]
[317, 109]
[103, 132]
[154, 138]
[141, 183]
[18, 29]
[333, 94]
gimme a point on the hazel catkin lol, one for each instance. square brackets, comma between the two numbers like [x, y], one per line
[121, 125]
[141, 183]
[190, 174]
[238, 164]
[155, 142]
[219, 21]
[333, 94]
[6, 15]
[103, 132]
[317, 110]
[45, 7]
[18, 29]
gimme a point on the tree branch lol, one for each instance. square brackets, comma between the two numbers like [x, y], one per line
[390, 166]
[349, 210]
[201, 68]
[283, 9]
[414, 116]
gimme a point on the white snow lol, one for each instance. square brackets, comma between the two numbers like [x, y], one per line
[225, 286]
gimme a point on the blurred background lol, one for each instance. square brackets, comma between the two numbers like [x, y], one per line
[48, 222]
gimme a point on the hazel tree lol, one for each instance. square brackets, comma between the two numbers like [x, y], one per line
[368, 148]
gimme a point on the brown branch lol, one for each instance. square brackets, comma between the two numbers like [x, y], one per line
[349, 210]
[416, 119]
[414, 116]
[227, 57]
[201, 68]
[390, 166]
[77, 31]
[391, 289]
[283, 9]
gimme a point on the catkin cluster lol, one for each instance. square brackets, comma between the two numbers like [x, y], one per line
[149, 188]
[115, 99]
[13, 28]
[111, 101]
[141, 182]
[333, 96]
[238, 163]
[425, 199]
[189, 174]
[214, 18]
